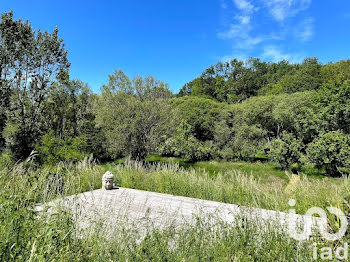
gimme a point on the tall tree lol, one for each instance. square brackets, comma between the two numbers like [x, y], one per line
[133, 114]
[30, 63]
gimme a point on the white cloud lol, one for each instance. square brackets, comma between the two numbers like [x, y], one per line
[241, 30]
[247, 36]
[244, 6]
[305, 30]
[242, 35]
[243, 19]
[282, 9]
[235, 31]
[252, 41]
[274, 54]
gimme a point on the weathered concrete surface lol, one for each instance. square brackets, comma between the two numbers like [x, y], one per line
[161, 210]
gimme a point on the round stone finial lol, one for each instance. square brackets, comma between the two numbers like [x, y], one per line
[107, 181]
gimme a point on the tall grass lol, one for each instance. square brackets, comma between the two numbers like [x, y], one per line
[200, 242]
[26, 236]
[232, 186]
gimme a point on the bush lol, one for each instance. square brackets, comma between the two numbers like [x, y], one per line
[286, 150]
[6, 159]
[183, 144]
[330, 151]
[247, 141]
[206, 151]
[53, 150]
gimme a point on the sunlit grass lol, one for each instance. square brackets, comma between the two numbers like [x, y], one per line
[232, 186]
[25, 236]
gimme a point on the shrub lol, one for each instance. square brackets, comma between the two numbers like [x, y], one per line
[330, 151]
[182, 144]
[6, 159]
[286, 150]
[53, 150]
[247, 141]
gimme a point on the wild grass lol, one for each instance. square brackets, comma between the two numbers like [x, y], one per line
[200, 242]
[263, 170]
[25, 236]
[232, 186]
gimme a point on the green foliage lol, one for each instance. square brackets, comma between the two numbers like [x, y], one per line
[30, 63]
[201, 114]
[67, 108]
[23, 234]
[298, 114]
[279, 113]
[302, 100]
[134, 116]
[6, 159]
[336, 73]
[183, 144]
[236, 81]
[248, 140]
[307, 77]
[330, 151]
[286, 150]
[335, 107]
[54, 150]
[69, 113]
[271, 89]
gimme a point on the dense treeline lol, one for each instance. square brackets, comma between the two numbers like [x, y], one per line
[235, 81]
[295, 114]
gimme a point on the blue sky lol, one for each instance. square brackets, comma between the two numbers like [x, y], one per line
[176, 40]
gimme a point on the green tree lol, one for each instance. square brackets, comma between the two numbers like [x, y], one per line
[182, 143]
[53, 150]
[66, 108]
[298, 114]
[134, 115]
[201, 114]
[335, 111]
[286, 150]
[33, 60]
[337, 73]
[68, 112]
[330, 151]
[307, 77]
[257, 111]
[247, 141]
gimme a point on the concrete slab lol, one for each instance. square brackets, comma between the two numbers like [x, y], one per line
[142, 208]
